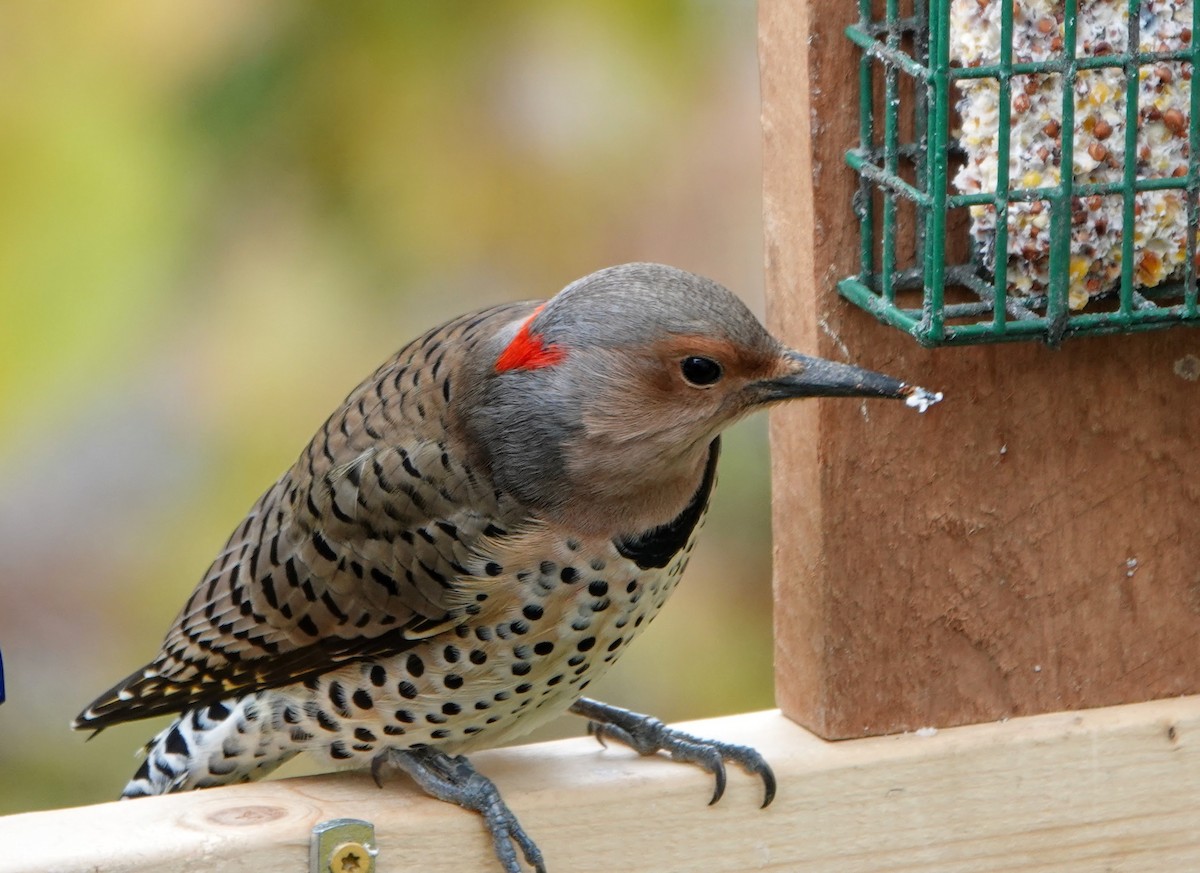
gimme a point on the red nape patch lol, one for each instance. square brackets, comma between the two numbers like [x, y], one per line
[528, 351]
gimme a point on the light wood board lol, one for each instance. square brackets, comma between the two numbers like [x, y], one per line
[1113, 789]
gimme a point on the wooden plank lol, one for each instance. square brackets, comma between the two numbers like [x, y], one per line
[1029, 545]
[1109, 789]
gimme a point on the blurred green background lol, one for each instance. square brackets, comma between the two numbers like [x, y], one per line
[216, 218]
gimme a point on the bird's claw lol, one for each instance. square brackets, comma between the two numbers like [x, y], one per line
[596, 729]
[455, 780]
[649, 736]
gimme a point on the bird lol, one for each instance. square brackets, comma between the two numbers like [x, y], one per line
[471, 539]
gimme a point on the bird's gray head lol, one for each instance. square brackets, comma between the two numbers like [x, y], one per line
[598, 408]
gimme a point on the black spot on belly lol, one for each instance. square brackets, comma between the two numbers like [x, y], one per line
[337, 696]
[656, 547]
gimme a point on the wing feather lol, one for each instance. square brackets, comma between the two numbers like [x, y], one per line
[363, 540]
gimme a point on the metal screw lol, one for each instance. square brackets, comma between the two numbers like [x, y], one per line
[350, 858]
[343, 846]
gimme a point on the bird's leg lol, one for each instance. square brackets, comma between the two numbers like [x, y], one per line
[455, 780]
[648, 736]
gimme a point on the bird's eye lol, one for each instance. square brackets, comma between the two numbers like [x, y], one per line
[700, 371]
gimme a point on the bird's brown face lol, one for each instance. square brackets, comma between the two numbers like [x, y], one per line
[683, 390]
[647, 427]
[678, 393]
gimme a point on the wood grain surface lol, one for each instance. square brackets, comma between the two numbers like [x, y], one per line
[1031, 544]
[1106, 789]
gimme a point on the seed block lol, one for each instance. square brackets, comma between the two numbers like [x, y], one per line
[1097, 118]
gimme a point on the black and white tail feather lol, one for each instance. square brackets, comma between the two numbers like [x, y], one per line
[220, 744]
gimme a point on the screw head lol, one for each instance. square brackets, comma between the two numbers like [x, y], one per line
[342, 845]
[350, 858]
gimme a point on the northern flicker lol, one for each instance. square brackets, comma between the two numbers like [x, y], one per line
[471, 539]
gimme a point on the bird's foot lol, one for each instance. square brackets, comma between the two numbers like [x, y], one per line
[648, 736]
[455, 780]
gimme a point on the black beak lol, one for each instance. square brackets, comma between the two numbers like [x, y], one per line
[817, 377]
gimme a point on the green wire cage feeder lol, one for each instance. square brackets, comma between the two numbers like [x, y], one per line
[1027, 170]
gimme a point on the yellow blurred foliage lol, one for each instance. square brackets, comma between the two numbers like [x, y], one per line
[216, 218]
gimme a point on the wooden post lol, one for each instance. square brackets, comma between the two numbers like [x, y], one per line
[1032, 544]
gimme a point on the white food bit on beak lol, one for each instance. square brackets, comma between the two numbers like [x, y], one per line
[921, 399]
